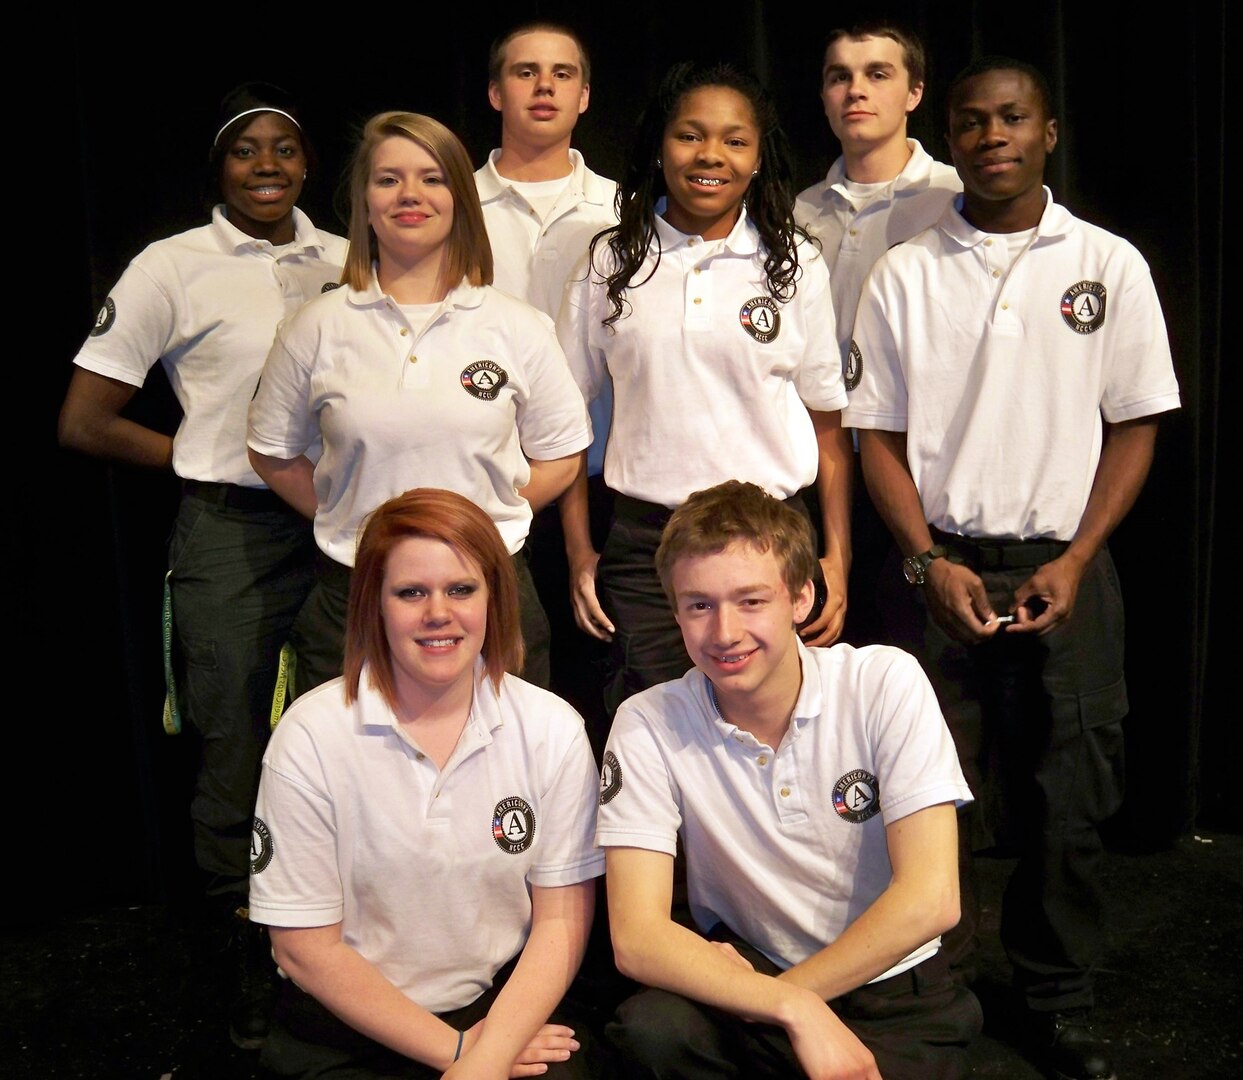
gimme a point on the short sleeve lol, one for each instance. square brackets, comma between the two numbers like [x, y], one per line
[819, 376]
[878, 398]
[568, 854]
[133, 329]
[281, 423]
[575, 322]
[552, 420]
[639, 799]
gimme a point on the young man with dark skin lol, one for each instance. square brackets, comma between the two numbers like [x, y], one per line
[882, 190]
[1003, 445]
[814, 792]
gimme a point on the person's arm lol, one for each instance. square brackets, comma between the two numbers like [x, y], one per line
[833, 483]
[293, 479]
[549, 480]
[582, 557]
[920, 902]
[956, 595]
[91, 421]
[353, 989]
[1126, 457]
[652, 949]
[515, 1033]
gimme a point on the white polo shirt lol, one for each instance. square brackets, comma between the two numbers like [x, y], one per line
[206, 303]
[786, 846]
[1000, 375]
[429, 872]
[712, 377]
[459, 403]
[854, 232]
[533, 258]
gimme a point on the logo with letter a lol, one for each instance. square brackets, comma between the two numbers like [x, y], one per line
[513, 825]
[761, 318]
[1083, 306]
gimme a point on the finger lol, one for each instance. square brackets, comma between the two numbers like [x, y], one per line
[591, 618]
[528, 1070]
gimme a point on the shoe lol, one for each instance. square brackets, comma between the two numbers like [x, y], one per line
[1068, 1049]
[254, 988]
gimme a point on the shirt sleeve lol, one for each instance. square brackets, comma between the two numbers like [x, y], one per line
[281, 423]
[916, 762]
[639, 799]
[878, 398]
[133, 329]
[575, 321]
[568, 854]
[820, 375]
[295, 877]
[552, 420]
[1140, 377]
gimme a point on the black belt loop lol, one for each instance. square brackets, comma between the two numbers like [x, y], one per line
[983, 553]
[234, 496]
[657, 516]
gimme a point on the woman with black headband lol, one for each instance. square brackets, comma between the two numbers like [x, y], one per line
[206, 303]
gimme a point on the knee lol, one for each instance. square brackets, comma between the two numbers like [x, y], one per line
[657, 1030]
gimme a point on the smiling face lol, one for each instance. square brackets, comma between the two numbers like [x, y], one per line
[867, 92]
[409, 204]
[710, 150]
[435, 611]
[261, 177]
[540, 93]
[999, 137]
[737, 618]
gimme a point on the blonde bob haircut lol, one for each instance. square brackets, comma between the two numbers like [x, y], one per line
[469, 253]
[438, 515]
[736, 512]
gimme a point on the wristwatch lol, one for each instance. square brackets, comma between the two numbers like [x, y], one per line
[915, 567]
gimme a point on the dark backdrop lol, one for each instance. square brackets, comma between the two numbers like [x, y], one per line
[102, 791]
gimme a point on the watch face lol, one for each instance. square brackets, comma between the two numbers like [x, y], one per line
[913, 570]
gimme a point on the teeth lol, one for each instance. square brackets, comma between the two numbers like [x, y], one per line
[270, 190]
[710, 181]
[435, 643]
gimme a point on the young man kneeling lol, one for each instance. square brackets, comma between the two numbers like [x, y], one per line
[815, 792]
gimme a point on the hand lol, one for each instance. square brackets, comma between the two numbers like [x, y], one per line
[828, 627]
[553, 1042]
[828, 1050]
[959, 602]
[587, 610]
[1055, 585]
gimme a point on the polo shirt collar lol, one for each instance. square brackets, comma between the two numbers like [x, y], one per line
[916, 174]
[808, 706]
[1055, 221]
[584, 185]
[462, 295]
[743, 238]
[372, 712]
[231, 238]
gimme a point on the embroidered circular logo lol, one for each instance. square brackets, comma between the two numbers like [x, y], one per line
[854, 366]
[513, 825]
[856, 796]
[484, 379]
[328, 286]
[1083, 306]
[610, 777]
[104, 320]
[761, 318]
[260, 846]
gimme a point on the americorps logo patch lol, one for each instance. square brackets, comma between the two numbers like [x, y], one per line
[761, 318]
[104, 320]
[484, 379]
[261, 847]
[1083, 306]
[513, 825]
[854, 366]
[856, 796]
[610, 777]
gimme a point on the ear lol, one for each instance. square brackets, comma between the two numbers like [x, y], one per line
[914, 96]
[803, 599]
[494, 95]
[584, 99]
[1050, 136]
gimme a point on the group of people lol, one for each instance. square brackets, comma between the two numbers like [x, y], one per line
[361, 470]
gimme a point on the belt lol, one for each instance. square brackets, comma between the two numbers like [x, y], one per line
[234, 496]
[982, 553]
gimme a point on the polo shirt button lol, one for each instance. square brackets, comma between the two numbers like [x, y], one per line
[996, 273]
[698, 270]
[785, 792]
[404, 331]
[1005, 306]
[854, 232]
[763, 759]
[698, 300]
[413, 359]
[419, 755]
[988, 243]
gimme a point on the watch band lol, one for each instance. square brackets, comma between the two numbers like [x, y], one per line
[915, 567]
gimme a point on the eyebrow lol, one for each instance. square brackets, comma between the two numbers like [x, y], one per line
[518, 65]
[745, 590]
[874, 65]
